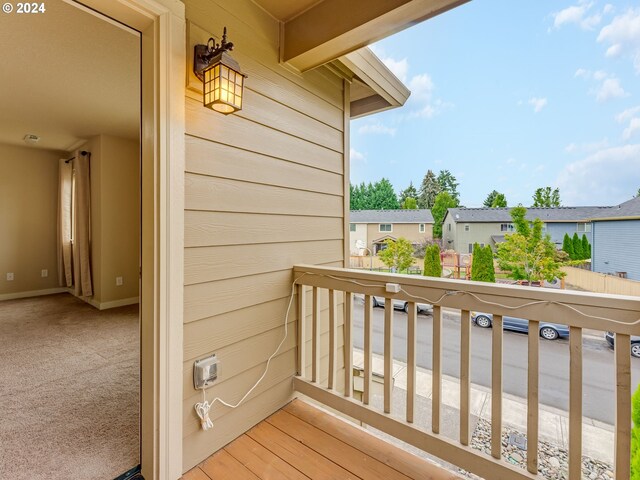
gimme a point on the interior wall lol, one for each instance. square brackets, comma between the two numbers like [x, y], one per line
[28, 213]
[264, 189]
[115, 219]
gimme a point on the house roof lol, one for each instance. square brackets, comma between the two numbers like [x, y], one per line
[553, 214]
[391, 216]
[628, 210]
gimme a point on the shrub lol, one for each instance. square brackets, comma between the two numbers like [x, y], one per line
[586, 247]
[577, 247]
[432, 264]
[567, 246]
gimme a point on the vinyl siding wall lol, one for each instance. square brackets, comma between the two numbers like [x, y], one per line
[265, 189]
[410, 231]
[557, 231]
[615, 247]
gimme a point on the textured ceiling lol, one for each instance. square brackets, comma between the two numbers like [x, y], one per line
[67, 75]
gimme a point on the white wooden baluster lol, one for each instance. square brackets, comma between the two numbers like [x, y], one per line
[575, 403]
[411, 360]
[496, 387]
[368, 360]
[348, 344]
[388, 354]
[623, 407]
[532, 397]
[465, 375]
[436, 387]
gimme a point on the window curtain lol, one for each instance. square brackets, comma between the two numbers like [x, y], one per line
[65, 184]
[74, 225]
[82, 226]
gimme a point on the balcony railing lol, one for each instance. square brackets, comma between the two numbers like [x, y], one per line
[578, 310]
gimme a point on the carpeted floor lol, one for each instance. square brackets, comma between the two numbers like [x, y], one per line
[69, 389]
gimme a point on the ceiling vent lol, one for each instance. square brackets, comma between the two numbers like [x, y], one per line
[31, 139]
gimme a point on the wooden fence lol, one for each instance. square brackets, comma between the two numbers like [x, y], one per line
[600, 282]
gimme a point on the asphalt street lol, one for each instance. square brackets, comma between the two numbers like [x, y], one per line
[598, 360]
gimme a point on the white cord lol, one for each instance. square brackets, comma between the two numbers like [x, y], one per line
[202, 408]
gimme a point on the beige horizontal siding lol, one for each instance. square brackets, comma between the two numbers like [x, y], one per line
[248, 135]
[216, 159]
[209, 264]
[221, 194]
[204, 228]
[264, 189]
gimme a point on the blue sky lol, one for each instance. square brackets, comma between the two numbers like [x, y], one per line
[545, 93]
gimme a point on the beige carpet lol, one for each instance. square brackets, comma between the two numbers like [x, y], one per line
[69, 389]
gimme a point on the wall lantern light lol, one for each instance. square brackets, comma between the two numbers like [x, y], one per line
[220, 74]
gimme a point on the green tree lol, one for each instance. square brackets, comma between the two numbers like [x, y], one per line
[409, 203]
[432, 264]
[409, 192]
[545, 197]
[495, 199]
[635, 435]
[383, 197]
[586, 247]
[429, 189]
[482, 269]
[443, 202]
[577, 247]
[567, 246]
[527, 253]
[448, 184]
[398, 255]
[376, 196]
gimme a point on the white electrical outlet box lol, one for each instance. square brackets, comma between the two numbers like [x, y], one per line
[205, 372]
[44, 273]
[393, 288]
[9, 277]
[119, 281]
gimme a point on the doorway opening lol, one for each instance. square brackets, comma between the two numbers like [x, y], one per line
[69, 355]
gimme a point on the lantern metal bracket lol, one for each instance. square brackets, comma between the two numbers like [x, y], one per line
[204, 54]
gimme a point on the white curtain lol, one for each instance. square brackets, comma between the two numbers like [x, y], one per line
[65, 183]
[74, 225]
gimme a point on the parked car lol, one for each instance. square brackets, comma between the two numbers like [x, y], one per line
[404, 306]
[550, 331]
[635, 343]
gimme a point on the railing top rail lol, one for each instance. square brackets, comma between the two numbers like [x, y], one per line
[615, 313]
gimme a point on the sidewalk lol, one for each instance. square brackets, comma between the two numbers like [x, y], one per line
[597, 437]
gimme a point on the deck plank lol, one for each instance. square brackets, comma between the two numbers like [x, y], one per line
[301, 442]
[261, 461]
[195, 474]
[223, 465]
[346, 456]
[401, 460]
[297, 455]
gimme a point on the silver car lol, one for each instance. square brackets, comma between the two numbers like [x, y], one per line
[635, 343]
[404, 306]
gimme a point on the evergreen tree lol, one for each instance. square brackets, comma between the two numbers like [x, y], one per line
[490, 267]
[409, 192]
[382, 196]
[545, 197]
[428, 190]
[432, 264]
[586, 247]
[448, 184]
[443, 202]
[567, 246]
[577, 247]
[495, 200]
[475, 262]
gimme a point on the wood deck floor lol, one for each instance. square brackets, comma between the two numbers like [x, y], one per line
[302, 442]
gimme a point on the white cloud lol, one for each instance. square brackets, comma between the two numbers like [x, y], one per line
[600, 75]
[421, 86]
[537, 103]
[629, 113]
[632, 129]
[357, 156]
[376, 129]
[581, 72]
[606, 177]
[623, 36]
[587, 147]
[579, 15]
[610, 89]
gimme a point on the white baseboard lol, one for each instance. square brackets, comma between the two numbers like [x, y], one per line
[32, 293]
[112, 304]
